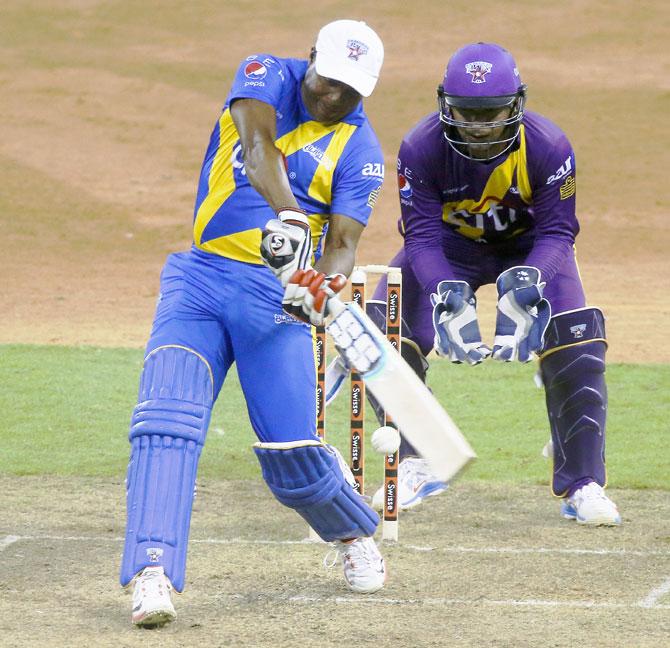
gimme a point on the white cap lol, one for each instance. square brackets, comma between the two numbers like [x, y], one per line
[350, 52]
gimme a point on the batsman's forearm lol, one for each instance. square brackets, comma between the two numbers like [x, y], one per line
[264, 164]
[337, 260]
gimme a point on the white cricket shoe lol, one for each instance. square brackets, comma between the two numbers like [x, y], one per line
[589, 505]
[364, 566]
[415, 483]
[152, 603]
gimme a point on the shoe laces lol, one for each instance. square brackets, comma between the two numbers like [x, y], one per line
[592, 491]
[152, 581]
[349, 552]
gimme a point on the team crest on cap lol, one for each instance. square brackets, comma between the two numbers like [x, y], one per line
[255, 70]
[478, 70]
[356, 49]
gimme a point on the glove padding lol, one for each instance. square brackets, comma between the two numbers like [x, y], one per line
[523, 315]
[286, 244]
[307, 294]
[457, 335]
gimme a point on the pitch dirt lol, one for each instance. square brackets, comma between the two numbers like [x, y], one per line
[107, 108]
[475, 566]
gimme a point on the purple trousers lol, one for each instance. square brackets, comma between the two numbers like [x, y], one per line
[573, 376]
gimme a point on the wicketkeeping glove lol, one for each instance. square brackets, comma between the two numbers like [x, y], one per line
[457, 335]
[307, 294]
[286, 244]
[523, 314]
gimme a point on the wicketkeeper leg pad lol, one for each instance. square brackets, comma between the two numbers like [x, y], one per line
[572, 367]
[306, 476]
[167, 433]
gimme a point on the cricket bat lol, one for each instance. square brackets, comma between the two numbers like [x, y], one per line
[413, 408]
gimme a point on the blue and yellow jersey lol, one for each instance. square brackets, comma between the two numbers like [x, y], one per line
[336, 169]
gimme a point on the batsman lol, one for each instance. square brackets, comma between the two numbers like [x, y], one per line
[487, 195]
[288, 182]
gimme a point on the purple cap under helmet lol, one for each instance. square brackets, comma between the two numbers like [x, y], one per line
[481, 76]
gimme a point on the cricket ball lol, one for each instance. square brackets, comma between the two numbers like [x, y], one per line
[386, 440]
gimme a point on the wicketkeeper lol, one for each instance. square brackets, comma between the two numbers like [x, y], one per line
[487, 196]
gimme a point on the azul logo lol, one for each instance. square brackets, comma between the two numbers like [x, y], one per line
[404, 187]
[521, 275]
[356, 49]
[478, 70]
[374, 169]
[317, 154]
[578, 330]
[154, 553]
[563, 170]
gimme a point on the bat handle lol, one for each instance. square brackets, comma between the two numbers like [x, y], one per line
[335, 306]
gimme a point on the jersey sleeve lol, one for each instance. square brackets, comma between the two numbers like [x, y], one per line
[261, 77]
[554, 208]
[421, 219]
[357, 182]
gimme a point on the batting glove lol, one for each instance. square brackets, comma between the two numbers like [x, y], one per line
[286, 244]
[523, 315]
[457, 335]
[307, 294]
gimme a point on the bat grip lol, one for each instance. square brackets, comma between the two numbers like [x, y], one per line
[335, 306]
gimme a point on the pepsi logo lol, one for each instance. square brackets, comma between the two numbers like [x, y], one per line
[404, 187]
[255, 70]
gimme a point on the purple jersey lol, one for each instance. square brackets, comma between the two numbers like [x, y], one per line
[522, 202]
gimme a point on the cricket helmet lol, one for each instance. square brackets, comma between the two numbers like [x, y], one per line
[481, 78]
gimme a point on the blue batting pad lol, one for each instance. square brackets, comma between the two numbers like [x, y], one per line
[167, 432]
[306, 476]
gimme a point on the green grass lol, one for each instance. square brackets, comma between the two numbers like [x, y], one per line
[65, 411]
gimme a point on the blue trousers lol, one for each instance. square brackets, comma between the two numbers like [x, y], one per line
[228, 312]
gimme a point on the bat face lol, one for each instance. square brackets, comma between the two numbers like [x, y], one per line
[399, 390]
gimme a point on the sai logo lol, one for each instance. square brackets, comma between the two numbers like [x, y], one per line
[154, 553]
[277, 242]
[255, 70]
[404, 187]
